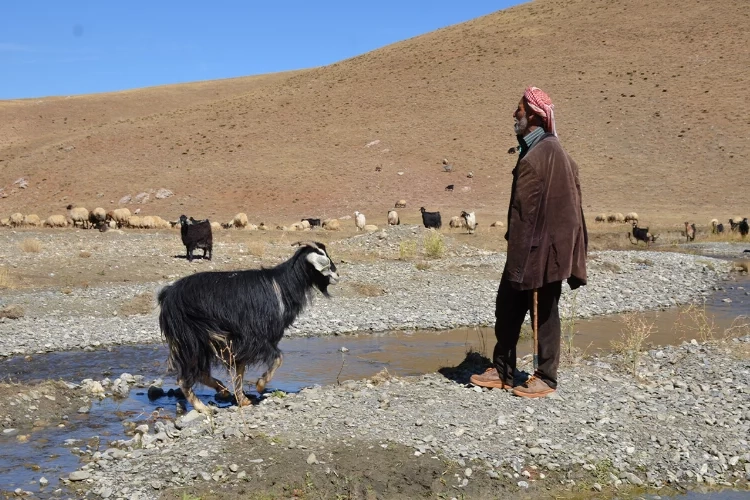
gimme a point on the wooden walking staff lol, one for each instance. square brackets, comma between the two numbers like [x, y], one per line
[535, 330]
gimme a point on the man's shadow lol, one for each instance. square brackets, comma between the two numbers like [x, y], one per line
[473, 363]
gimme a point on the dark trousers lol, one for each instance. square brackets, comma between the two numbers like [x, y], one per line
[510, 310]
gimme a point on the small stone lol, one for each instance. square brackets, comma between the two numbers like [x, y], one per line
[630, 450]
[79, 475]
[523, 484]
[476, 388]
[84, 409]
[493, 474]
[241, 475]
[43, 481]
[203, 453]
[234, 467]
[311, 459]
[467, 472]
[596, 487]
[419, 422]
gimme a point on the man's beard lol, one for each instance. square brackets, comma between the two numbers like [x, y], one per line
[521, 125]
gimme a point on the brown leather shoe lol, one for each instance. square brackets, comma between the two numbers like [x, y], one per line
[533, 388]
[490, 379]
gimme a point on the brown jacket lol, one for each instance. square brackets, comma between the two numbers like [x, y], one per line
[547, 239]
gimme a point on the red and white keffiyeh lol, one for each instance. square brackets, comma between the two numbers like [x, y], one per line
[542, 105]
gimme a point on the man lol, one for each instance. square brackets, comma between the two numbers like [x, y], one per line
[547, 243]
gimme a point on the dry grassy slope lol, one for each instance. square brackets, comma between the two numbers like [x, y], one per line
[643, 91]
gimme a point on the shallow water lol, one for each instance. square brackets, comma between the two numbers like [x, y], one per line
[307, 361]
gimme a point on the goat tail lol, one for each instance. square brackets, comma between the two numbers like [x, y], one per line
[190, 350]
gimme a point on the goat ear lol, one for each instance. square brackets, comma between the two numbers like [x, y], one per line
[319, 261]
[310, 244]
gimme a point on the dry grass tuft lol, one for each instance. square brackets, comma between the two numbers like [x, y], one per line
[31, 245]
[695, 322]
[434, 245]
[407, 249]
[6, 281]
[422, 266]
[381, 377]
[742, 265]
[256, 248]
[84, 254]
[143, 303]
[636, 329]
[367, 289]
[740, 327]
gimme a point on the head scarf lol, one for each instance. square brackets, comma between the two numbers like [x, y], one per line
[542, 106]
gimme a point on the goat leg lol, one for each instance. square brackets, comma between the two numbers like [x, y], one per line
[192, 398]
[266, 377]
[216, 385]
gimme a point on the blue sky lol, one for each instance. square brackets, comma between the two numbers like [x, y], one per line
[54, 47]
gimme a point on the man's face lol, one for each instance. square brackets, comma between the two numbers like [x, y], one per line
[521, 120]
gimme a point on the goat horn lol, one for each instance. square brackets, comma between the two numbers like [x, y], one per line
[310, 244]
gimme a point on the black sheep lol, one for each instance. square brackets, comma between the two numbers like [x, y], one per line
[744, 227]
[431, 219]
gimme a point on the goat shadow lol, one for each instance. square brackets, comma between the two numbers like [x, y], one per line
[217, 400]
[472, 364]
[194, 257]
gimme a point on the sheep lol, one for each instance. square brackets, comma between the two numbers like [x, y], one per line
[263, 226]
[121, 216]
[5, 222]
[392, 218]
[16, 219]
[446, 166]
[332, 224]
[56, 221]
[97, 215]
[135, 221]
[498, 223]
[689, 232]
[359, 220]
[744, 227]
[456, 222]
[238, 318]
[400, 204]
[631, 216]
[313, 222]
[601, 218]
[32, 220]
[370, 228]
[449, 187]
[716, 228]
[196, 234]
[297, 226]
[305, 224]
[215, 226]
[470, 221]
[641, 234]
[431, 219]
[78, 214]
[240, 220]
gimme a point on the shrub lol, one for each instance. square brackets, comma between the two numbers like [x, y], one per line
[632, 338]
[434, 245]
[407, 249]
[31, 245]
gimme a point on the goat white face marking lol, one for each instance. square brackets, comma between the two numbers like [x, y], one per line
[279, 297]
[322, 264]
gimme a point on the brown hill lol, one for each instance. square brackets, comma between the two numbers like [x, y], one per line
[650, 98]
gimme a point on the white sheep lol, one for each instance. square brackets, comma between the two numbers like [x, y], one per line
[331, 224]
[601, 218]
[401, 204]
[359, 220]
[56, 221]
[239, 220]
[121, 216]
[370, 228]
[16, 219]
[457, 222]
[631, 217]
[78, 214]
[393, 219]
[32, 220]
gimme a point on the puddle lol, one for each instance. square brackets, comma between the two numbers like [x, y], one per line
[307, 361]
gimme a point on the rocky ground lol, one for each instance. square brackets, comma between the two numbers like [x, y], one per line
[682, 421]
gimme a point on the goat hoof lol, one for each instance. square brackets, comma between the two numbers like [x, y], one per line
[224, 395]
[260, 386]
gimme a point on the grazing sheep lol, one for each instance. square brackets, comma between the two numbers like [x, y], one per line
[239, 220]
[97, 215]
[449, 187]
[431, 219]
[393, 219]
[456, 222]
[370, 228]
[470, 221]
[297, 226]
[446, 166]
[498, 223]
[78, 214]
[32, 220]
[121, 216]
[400, 204]
[135, 221]
[689, 231]
[631, 217]
[238, 318]
[716, 227]
[601, 218]
[56, 221]
[744, 227]
[332, 224]
[359, 220]
[619, 218]
[215, 226]
[196, 234]
[263, 226]
[305, 224]
[16, 219]
[5, 222]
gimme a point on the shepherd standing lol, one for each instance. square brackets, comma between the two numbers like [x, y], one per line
[547, 243]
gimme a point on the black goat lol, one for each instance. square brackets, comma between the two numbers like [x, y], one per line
[238, 318]
[313, 222]
[744, 227]
[431, 219]
[196, 234]
[641, 234]
[449, 187]
[734, 225]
